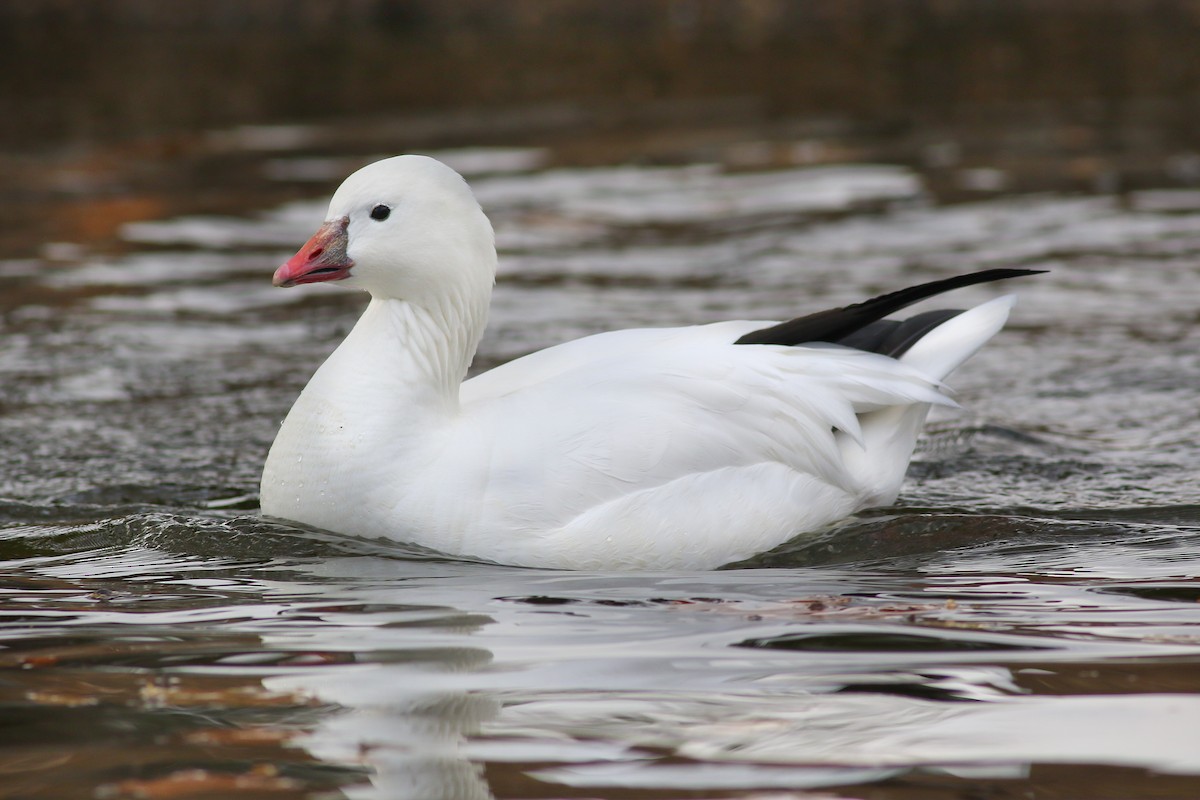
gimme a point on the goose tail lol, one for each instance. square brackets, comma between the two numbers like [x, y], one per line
[889, 435]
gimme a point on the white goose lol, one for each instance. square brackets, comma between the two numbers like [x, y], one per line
[678, 448]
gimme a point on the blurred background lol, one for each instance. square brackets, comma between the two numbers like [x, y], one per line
[133, 109]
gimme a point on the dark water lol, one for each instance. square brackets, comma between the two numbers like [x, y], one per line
[1024, 623]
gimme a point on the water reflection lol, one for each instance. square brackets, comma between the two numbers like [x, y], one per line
[269, 658]
[860, 732]
[408, 739]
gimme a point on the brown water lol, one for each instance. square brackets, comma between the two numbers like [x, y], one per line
[1025, 622]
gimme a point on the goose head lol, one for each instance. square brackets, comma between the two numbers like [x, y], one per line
[405, 228]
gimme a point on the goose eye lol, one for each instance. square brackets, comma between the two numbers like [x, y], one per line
[380, 212]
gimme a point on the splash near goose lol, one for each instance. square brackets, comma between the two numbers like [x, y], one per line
[675, 448]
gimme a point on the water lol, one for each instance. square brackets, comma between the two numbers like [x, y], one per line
[1024, 623]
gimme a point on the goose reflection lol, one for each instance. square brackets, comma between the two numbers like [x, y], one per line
[405, 734]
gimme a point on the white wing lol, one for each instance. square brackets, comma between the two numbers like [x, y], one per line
[677, 428]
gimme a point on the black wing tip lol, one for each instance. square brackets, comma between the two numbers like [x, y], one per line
[1007, 272]
[921, 291]
[835, 324]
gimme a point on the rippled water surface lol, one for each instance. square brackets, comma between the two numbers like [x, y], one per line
[1024, 623]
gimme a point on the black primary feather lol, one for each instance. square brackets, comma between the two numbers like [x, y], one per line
[862, 326]
[892, 337]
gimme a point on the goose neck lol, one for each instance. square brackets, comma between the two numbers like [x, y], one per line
[418, 354]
